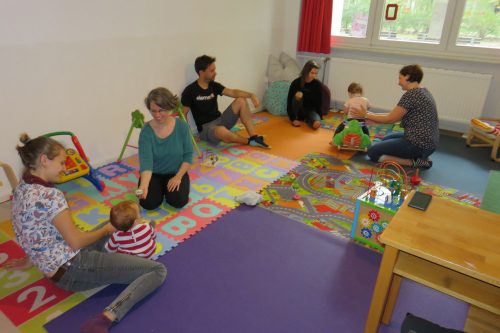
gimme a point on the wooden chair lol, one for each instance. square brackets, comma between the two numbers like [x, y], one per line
[9, 173]
[486, 134]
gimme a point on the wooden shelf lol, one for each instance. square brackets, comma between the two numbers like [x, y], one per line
[463, 287]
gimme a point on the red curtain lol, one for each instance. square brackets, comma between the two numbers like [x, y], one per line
[315, 26]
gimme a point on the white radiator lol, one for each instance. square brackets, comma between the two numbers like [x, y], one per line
[459, 96]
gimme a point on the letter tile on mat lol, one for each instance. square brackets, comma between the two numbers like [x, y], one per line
[35, 324]
[129, 180]
[90, 217]
[78, 200]
[11, 281]
[112, 170]
[122, 197]
[242, 166]
[226, 196]
[192, 219]
[31, 300]
[222, 175]
[283, 163]
[159, 213]
[163, 245]
[249, 183]
[78, 184]
[132, 161]
[111, 189]
[4, 237]
[236, 151]
[6, 228]
[266, 173]
[258, 157]
[205, 186]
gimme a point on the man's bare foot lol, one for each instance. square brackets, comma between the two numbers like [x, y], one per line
[296, 123]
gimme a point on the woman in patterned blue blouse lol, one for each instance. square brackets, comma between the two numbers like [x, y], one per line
[417, 112]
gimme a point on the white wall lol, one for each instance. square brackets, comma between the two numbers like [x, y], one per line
[83, 66]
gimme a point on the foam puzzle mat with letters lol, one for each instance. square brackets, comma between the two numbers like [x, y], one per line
[28, 300]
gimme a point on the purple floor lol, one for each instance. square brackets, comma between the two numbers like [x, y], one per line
[255, 271]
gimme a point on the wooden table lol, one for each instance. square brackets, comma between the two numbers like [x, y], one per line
[449, 247]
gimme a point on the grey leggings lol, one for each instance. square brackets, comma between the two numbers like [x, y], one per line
[92, 268]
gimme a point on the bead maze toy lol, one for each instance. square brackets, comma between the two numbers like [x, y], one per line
[77, 163]
[376, 207]
[352, 137]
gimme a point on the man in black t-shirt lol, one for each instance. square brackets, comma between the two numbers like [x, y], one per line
[201, 98]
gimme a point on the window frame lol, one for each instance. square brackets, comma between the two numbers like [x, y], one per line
[446, 49]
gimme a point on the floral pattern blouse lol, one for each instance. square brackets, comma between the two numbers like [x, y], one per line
[34, 207]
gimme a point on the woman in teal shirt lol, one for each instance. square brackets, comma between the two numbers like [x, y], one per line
[165, 154]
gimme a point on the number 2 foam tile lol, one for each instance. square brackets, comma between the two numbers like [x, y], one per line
[90, 217]
[112, 170]
[13, 280]
[31, 300]
[192, 219]
[35, 324]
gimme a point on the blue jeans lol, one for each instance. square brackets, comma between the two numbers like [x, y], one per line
[396, 145]
[92, 268]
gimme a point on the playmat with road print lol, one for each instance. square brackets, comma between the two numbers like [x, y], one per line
[322, 192]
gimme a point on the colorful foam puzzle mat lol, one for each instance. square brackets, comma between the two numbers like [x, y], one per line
[28, 300]
[322, 192]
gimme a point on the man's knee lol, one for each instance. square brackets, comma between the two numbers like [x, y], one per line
[238, 104]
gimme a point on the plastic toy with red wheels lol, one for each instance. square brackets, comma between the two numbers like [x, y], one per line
[352, 137]
[77, 163]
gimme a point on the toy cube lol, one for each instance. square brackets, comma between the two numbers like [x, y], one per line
[374, 210]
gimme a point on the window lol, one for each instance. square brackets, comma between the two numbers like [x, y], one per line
[462, 29]
[480, 25]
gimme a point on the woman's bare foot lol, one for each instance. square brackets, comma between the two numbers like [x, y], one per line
[316, 125]
[296, 123]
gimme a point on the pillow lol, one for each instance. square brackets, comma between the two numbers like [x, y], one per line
[292, 68]
[275, 98]
[274, 69]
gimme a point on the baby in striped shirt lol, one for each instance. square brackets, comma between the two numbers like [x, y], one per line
[132, 236]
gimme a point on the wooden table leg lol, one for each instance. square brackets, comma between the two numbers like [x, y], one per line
[381, 290]
[391, 299]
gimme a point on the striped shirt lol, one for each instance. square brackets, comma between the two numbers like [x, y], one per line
[140, 240]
